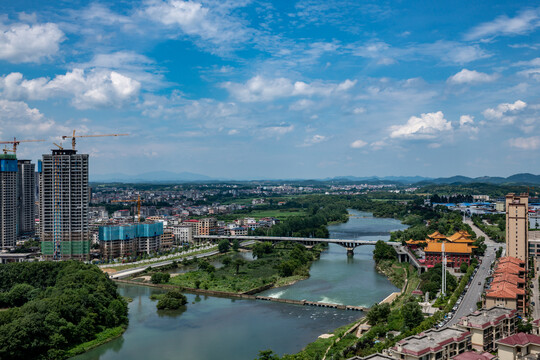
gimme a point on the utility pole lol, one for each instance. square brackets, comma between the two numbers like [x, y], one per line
[443, 286]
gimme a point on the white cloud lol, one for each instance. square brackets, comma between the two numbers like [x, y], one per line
[357, 144]
[259, 88]
[530, 143]
[465, 120]
[213, 24]
[233, 132]
[501, 111]
[22, 43]
[87, 89]
[315, 139]
[16, 117]
[359, 110]
[275, 131]
[523, 23]
[446, 51]
[427, 126]
[302, 104]
[466, 76]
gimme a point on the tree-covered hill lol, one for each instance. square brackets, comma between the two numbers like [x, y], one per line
[54, 306]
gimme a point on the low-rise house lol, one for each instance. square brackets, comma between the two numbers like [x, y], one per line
[489, 325]
[377, 356]
[439, 344]
[519, 346]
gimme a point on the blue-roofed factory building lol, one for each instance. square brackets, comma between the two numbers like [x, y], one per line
[128, 240]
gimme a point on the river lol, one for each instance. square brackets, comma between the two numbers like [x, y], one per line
[211, 328]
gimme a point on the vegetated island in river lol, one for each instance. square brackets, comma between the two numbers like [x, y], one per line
[55, 310]
[273, 266]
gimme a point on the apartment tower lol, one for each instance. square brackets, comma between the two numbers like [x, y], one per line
[517, 226]
[26, 199]
[64, 197]
[8, 201]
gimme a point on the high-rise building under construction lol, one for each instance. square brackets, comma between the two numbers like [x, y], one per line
[8, 201]
[26, 197]
[64, 197]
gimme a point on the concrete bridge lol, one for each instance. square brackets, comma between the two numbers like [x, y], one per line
[349, 244]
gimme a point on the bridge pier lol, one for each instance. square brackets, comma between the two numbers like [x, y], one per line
[350, 251]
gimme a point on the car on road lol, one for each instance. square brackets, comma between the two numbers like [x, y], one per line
[479, 283]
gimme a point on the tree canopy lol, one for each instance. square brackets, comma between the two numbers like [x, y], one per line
[54, 306]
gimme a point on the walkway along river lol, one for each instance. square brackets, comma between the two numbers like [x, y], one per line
[211, 328]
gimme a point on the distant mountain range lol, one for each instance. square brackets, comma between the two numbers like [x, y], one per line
[171, 177]
[151, 177]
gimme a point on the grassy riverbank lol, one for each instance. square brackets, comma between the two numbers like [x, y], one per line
[101, 338]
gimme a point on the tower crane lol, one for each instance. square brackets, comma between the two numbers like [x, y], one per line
[15, 143]
[138, 201]
[73, 137]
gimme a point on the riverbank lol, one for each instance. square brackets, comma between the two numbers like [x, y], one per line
[101, 338]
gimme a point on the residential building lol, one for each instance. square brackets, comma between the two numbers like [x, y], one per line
[26, 200]
[167, 239]
[519, 346]
[132, 239]
[517, 226]
[439, 344]
[489, 325]
[183, 234]
[8, 201]
[207, 226]
[239, 231]
[64, 197]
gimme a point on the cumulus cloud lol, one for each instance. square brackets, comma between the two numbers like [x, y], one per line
[466, 120]
[259, 88]
[530, 143]
[466, 123]
[16, 117]
[87, 89]
[502, 110]
[466, 76]
[357, 144]
[22, 43]
[427, 126]
[523, 23]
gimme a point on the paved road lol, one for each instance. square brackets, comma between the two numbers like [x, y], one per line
[473, 294]
[132, 271]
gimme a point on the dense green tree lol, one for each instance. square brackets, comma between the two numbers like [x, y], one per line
[260, 249]
[160, 278]
[412, 314]
[235, 245]
[172, 300]
[383, 251]
[378, 314]
[463, 267]
[224, 246]
[239, 262]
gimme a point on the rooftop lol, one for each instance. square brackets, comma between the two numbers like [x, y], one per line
[483, 318]
[504, 290]
[473, 355]
[521, 339]
[376, 356]
[512, 260]
[430, 340]
[448, 248]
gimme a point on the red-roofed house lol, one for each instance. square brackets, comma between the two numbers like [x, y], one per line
[473, 355]
[518, 346]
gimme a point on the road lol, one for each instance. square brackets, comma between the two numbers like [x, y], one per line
[473, 294]
[133, 271]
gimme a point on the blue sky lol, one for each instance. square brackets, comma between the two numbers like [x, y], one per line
[284, 89]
